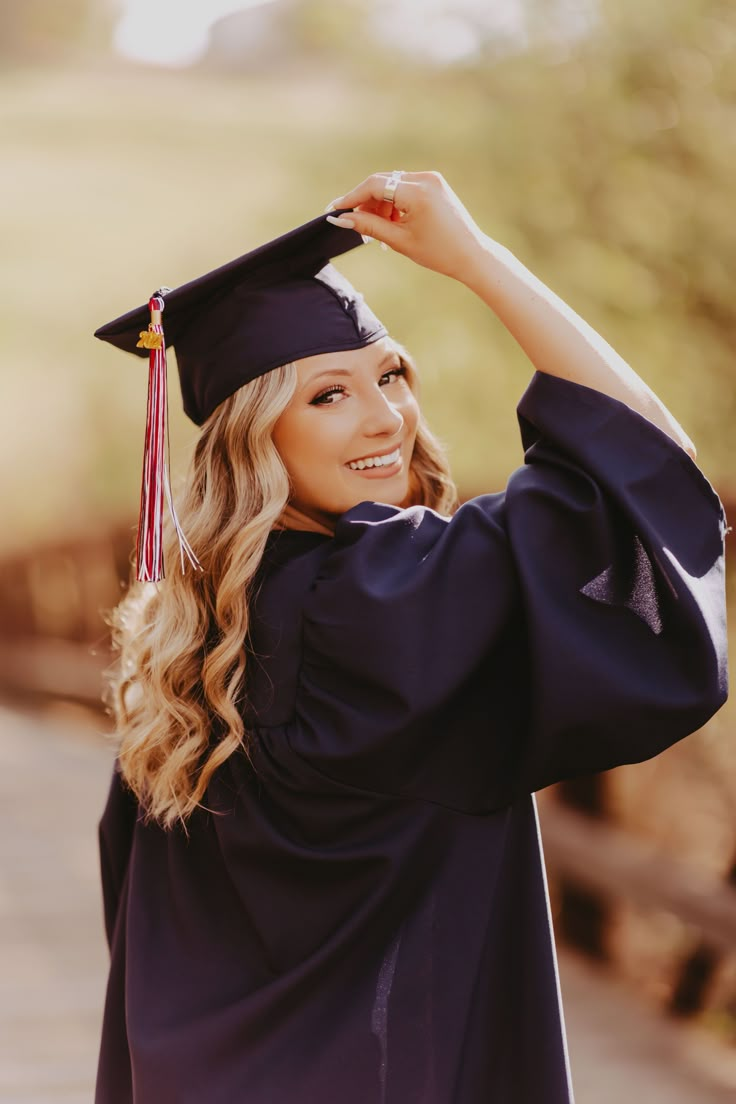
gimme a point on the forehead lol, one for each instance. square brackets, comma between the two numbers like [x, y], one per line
[345, 362]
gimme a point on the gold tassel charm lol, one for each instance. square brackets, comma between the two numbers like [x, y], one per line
[149, 339]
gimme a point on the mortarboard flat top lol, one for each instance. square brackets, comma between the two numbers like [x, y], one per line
[281, 302]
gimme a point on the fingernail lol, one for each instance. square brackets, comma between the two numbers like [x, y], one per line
[333, 204]
[346, 223]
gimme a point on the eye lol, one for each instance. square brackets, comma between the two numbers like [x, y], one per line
[393, 374]
[325, 398]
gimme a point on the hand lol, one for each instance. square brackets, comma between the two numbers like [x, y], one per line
[426, 222]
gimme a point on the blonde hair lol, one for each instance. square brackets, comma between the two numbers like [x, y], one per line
[177, 687]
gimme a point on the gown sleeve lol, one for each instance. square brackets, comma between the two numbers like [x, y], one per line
[572, 623]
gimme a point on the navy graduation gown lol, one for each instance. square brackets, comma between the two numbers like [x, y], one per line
[361, 916]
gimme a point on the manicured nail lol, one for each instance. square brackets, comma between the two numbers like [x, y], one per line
[333, 204]
[346, 223]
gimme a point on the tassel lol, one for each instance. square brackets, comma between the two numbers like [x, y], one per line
[156, 481]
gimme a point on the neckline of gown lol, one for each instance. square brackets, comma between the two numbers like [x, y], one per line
[282, 544]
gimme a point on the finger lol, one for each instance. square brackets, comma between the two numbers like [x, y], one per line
[372, 189]
[382, 209]
[372, 225]
[373, 207]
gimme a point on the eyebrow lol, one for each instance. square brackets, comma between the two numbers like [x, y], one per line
[348, 371]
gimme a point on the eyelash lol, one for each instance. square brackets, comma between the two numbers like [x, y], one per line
[337, 389]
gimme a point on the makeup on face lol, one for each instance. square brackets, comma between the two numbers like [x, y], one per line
[352, 422]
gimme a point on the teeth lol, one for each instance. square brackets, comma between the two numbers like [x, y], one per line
[375, 461]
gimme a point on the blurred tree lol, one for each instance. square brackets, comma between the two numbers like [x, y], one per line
[40, 29]
[605, 162]
[320, 27]
[281, 35]
[614, 157]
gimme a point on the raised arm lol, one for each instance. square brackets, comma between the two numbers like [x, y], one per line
[557, 340]
[430, 225]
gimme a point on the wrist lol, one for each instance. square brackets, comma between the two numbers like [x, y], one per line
[484, 264]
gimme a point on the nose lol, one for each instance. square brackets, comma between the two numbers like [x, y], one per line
[382, 418]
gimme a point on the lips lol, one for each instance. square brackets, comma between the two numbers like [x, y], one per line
[377, 461]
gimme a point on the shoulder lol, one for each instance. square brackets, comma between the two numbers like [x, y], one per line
[374, 539]
[290, 564]
[374, 601]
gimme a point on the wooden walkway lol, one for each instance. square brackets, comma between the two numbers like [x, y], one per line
[53, 779]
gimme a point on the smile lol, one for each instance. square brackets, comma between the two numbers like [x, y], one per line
[384, 461]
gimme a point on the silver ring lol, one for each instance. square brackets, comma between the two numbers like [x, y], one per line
[391, 185]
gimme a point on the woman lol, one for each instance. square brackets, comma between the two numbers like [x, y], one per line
[321, 866]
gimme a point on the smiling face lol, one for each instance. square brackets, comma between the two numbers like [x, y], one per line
[348, 433]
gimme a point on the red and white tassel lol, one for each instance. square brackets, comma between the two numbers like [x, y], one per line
[156, 482]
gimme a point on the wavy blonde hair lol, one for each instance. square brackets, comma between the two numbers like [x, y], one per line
[176, 689]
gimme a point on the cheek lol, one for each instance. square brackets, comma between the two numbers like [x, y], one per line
[292, 439]
[285, 437]
[312, 449]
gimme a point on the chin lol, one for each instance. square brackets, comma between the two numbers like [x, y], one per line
[373, 491]
[400, 498]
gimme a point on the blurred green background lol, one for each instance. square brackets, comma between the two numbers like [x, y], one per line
[145, 143]
[595, 140]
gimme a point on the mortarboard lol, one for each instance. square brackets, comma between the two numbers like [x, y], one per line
[281, 302]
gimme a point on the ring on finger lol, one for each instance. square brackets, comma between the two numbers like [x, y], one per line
[389, 192]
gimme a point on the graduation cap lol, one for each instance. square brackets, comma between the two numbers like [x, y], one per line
[281, 302]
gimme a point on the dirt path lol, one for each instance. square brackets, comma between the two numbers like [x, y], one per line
[53, 779]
